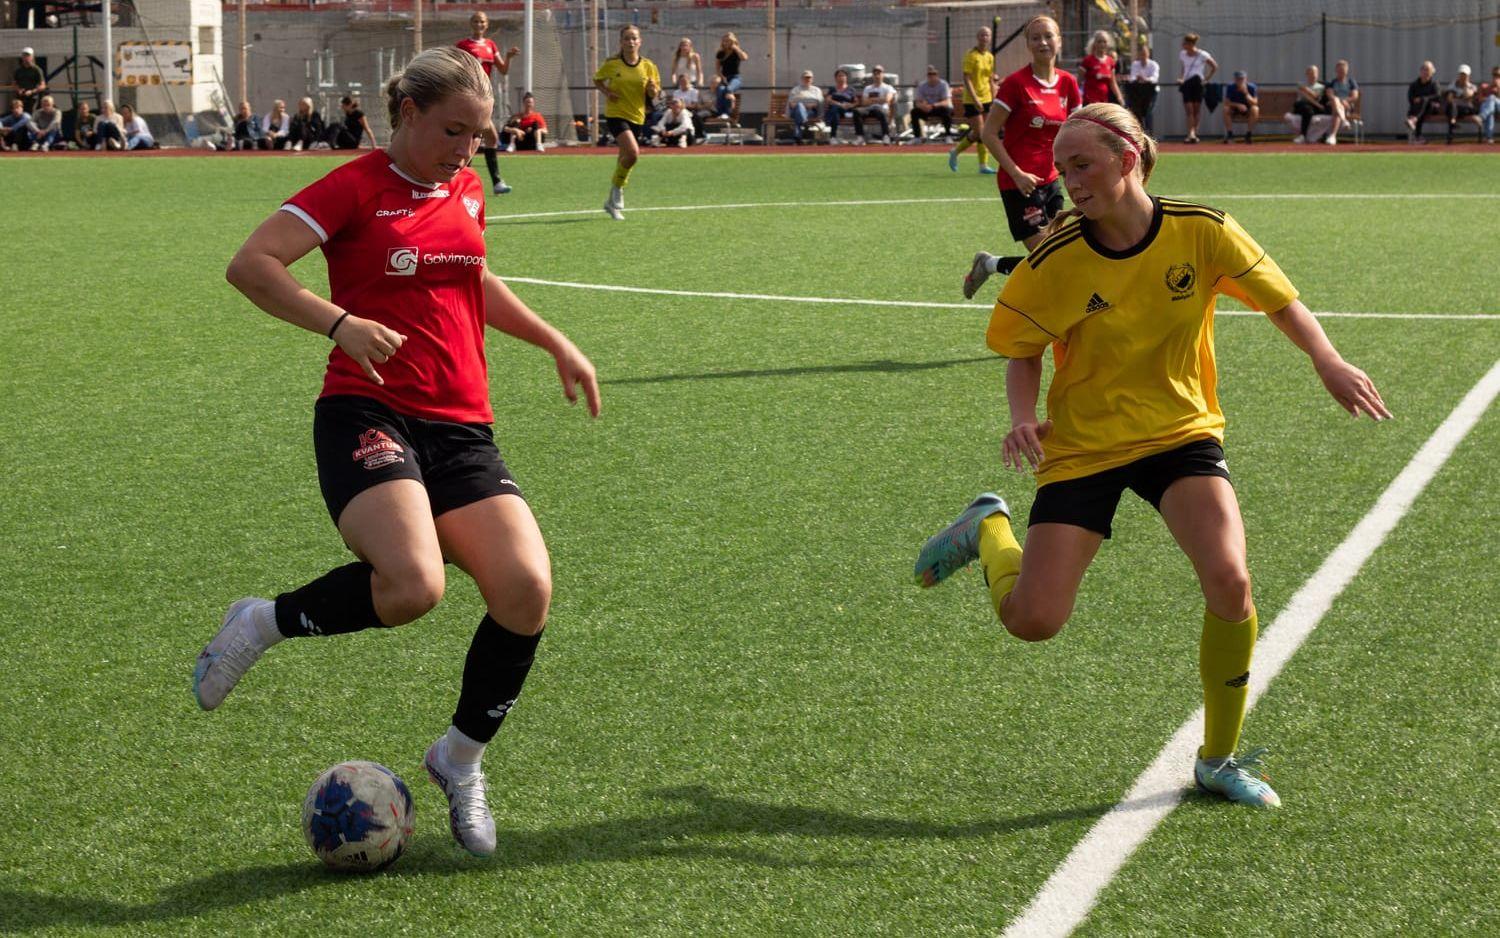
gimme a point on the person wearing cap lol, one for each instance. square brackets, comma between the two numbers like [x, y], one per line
[28, 83]
[932, 101]
[803, 104]
[875, 101]
[1459, 98]
[1241, 100]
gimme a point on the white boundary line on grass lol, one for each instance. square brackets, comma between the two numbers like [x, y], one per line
[1226, 196]
[1066, 898]
[919, 304]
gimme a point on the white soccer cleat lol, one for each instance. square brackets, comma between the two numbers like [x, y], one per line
[233, 650]
[615, 204]
[469, 815]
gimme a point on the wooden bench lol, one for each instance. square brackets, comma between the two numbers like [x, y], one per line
[1442, 118]
[776, 115]
[1276, 103]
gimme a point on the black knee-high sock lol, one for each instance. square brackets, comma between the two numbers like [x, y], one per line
[494, 671]
[339, 601]
[491, 162]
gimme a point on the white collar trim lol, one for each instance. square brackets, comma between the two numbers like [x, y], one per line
[416, 182]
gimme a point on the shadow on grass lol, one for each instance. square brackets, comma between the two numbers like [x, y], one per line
[671, 834]
[883, 366]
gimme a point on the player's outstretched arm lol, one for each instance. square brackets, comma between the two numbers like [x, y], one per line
[505, 311]
[1351, 387]
[259, 270]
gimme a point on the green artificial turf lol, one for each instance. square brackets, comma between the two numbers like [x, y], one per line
[744, 719]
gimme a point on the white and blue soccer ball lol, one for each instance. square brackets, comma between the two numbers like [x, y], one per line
[357, 817]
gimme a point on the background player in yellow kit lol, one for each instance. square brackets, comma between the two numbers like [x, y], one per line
[630, 82]
[1123, 289]
[979, 91]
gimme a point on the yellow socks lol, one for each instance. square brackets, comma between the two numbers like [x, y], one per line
[1000, 555]
[963, 145]
[984, 156]
[1224, 665]
[622, 174]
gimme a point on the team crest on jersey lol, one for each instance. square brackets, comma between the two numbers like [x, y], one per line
[377, 449]
[473, 207]
[401, 262]
[1181, 278]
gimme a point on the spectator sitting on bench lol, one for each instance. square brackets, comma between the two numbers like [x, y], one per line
[841, 102]
[1241, 100]
[351, 133]
[1489, 104]
[46, 123]
[83, 127]
[932, 101]
[278, 125]
[307, 131]
[1313, 99]
[727, 82]
[108, 134]
[137, 134]
[1423, 97]
[1345, 88]
[528, 129]
[803, 103]
[693, 101]
[675, 129]
[249, 132]
[1460, 99]
[16, 131]
[875, 101]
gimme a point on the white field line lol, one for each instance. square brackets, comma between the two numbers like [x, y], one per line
[1068, 895]
[990, 199]
[920, 304]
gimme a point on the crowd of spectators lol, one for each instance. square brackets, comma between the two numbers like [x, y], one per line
[680, 114]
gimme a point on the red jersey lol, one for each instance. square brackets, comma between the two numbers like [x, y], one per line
[526, 123]
[1096, 74]
[484, 50]
[409, 255]
[1036, 113]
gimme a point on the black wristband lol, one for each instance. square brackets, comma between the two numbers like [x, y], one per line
[336, 323]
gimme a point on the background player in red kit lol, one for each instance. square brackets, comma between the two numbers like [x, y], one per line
[1030, 106]
[488, 53]
[406, 457]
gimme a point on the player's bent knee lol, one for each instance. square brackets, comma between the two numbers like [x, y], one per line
[522, 599]
[1033, 626]
[410, 595]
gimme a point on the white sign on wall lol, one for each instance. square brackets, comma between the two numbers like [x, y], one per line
[168, 62]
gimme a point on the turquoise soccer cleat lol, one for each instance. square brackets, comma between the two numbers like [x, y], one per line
[953, 159]
[1238, 780]
[957, 545]
[988, 170]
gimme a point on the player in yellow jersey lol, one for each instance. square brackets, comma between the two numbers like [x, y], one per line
[1123, 290]
[979, 92]
[630, 82]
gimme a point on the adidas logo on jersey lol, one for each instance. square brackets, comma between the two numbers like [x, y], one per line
[1097, 304]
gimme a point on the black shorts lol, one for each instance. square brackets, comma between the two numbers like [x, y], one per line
[1090, 501]
[1029, 214]
[618, 125]
[1192, 89]
[974, 110]
[361, 443]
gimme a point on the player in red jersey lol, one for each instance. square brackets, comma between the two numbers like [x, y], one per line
[406, 457]
[488, 53]
[1030, 106]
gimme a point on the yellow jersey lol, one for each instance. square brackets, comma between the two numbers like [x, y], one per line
[1132, 332]
[629, 82]
[980, 69]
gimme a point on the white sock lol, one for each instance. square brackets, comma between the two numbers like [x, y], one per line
[463, 751]
[266, 632]
[991, 263]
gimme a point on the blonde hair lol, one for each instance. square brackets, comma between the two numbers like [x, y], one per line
[433, 75]
[1119, 125]
[1056, 28]
[1104, 37]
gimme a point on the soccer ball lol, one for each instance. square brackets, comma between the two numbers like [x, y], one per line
[357, 817]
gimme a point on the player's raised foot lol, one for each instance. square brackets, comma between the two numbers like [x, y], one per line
[239, 643]
[1238, 780]
[501, 187]
[957, 545]
[979, 272]
[953, 159]
[469, 815]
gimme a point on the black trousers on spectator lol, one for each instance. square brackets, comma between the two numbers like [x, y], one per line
[941, 112]
[876, 112]
[1309, 110]
[1140, 98]
[1421, 107]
